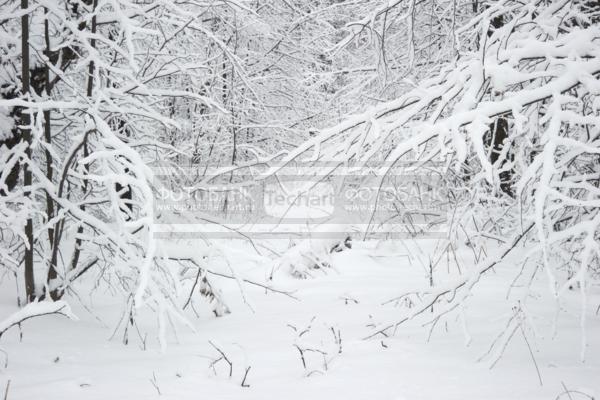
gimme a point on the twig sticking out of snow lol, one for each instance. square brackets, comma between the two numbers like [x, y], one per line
[155, 383]
[325, 352]
[223, 357]
[244, 384]
[6, 390]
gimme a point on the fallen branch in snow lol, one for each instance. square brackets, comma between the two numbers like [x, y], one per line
[36, 309]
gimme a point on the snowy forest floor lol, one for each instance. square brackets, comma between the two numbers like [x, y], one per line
[62, 359]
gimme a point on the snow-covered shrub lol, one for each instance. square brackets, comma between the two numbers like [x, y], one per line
[311, 254]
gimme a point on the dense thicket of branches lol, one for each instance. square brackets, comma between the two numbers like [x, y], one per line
[504, 94]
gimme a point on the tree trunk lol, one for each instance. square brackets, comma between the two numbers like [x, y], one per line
[89, 91]
[26, 135]
[48, 137]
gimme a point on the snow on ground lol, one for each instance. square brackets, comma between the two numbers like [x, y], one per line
[58, 358]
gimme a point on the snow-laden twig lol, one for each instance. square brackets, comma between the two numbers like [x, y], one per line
[36, 309]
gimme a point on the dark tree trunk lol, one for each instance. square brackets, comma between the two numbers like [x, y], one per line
[26, 135]
[90, 88]
[48, 137]
[495, 139]
[11, 141]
